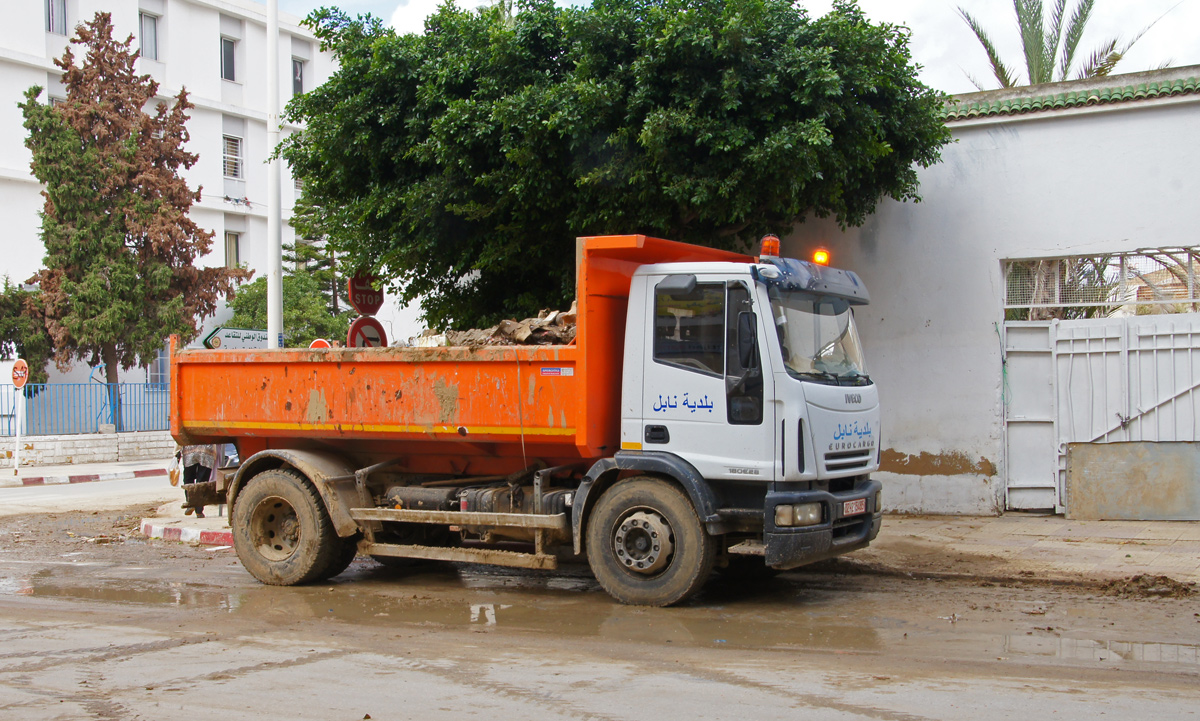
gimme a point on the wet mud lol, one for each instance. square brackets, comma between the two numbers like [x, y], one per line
[841, 606]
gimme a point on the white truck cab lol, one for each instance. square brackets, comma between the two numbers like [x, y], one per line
[752, 377]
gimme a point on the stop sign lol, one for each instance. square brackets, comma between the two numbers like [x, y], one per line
[365, 299]
[20, 373]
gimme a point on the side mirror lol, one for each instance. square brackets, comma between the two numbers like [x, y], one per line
[677, 285]
[747, 339]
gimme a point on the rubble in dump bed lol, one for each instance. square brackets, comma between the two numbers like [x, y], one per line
[551, 327]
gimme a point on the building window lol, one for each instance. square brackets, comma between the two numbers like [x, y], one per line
[56, 17]
[232, 257]
[159, 371]
[55, 100]
[228, 45]
[297, 77]
[232, 157]
[1142, 282]
[149, 25]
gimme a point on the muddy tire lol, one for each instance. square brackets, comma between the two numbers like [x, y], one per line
[646, 545]
[282, 532]
[347, 555]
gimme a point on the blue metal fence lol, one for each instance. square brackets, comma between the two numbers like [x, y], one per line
[66, 408]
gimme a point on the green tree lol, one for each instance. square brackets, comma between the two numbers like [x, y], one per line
[118, 276]
[23, 330]
[318, 259]
[460, 164]
[306, 314]
[1049, 50]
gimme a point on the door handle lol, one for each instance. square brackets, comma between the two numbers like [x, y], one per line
[657, 434]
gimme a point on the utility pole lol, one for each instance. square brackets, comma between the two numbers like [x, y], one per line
[274, 209]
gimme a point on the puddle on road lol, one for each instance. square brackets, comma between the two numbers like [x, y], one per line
[782, 615]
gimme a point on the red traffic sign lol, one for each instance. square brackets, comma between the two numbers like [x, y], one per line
[363, 296]
[20, 373]
[320, 343]
[366, 332]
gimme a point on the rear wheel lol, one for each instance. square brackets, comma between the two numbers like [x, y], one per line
[347, 555]
[646, 545]
[282, 533]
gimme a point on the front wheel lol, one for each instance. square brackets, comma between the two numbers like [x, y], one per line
[646, 545]
[282, 533]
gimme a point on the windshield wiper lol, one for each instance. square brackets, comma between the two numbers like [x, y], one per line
[823, 375]
[854, 376]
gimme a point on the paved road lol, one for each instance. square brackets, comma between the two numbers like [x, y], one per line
[95, 623]
[99, 495]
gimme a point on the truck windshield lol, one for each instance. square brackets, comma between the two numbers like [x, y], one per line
[818, 338]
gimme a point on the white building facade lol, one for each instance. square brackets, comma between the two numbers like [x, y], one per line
[216, 49]
[984, 403]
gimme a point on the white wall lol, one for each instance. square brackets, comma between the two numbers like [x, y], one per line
[1109, 178]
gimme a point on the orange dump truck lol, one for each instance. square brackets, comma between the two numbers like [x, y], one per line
[713, 411]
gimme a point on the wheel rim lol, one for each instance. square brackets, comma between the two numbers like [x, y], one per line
[642, 542]
[274, 528]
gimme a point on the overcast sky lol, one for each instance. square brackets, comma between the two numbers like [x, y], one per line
[941, 42]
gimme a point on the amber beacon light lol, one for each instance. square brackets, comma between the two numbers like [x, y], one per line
[770, 246]
[821, 256]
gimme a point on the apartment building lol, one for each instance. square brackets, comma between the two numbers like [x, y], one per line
[217, 50]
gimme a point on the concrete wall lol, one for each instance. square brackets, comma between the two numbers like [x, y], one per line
[93, 448]
[1109, 178]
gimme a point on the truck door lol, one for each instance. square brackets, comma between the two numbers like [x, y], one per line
[705, 391]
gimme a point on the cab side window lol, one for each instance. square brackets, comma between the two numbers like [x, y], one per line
[689, 328]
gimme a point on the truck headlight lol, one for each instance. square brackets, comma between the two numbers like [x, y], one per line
[808, 514]
[800, 514]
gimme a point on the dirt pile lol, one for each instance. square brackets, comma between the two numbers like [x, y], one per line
[1146, 586]
[551, 327]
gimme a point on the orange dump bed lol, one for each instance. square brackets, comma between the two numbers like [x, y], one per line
[444, 410]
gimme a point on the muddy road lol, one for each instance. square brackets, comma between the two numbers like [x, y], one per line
[96, 623]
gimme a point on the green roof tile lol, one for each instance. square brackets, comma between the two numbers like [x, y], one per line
[960, 110]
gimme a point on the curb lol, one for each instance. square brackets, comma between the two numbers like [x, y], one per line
[187, 535]
[81, 478]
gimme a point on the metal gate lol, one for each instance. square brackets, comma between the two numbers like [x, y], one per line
[1134, 378]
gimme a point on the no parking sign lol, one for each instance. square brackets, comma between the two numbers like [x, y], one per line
[366, 332]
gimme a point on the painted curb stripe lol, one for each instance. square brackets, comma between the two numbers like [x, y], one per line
[187, 535]
[82, 478]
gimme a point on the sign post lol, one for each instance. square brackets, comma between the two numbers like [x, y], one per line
[20, 375]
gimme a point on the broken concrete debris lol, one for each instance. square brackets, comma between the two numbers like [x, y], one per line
[551, 327]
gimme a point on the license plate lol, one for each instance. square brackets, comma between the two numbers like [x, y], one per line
[855, 507]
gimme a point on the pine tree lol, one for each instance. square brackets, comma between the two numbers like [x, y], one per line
[318, 259]
[118, 274]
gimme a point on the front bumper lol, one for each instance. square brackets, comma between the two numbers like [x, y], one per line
[837, 534]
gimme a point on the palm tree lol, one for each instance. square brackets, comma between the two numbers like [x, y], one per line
[1050, 51]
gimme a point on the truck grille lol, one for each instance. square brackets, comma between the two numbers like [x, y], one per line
[849, 460]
